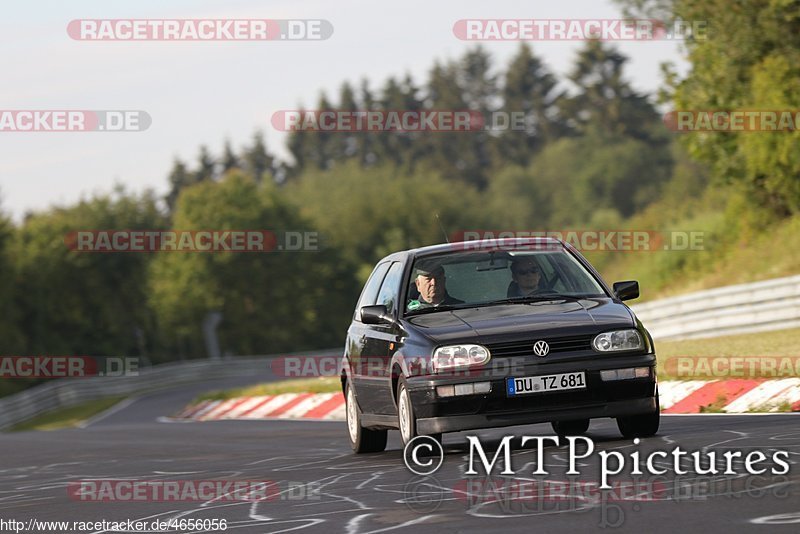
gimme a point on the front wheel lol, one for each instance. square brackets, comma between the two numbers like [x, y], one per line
[361, 439]
[640, 426]
[571, 428]
[407, 421]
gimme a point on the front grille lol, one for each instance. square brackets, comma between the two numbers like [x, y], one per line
[525, 348]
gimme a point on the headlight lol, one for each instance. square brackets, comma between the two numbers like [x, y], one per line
[459, 357]
[618, 340]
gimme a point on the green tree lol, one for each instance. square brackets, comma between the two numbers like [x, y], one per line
[748, 59]
[347, 144]
[532, 89]
[572, 178]
[86, 303]
[297, 142]
[398, 147]
[372, 212]
[258, 161]
[605, 103]
[10, 333]
[460, 156]
[270, 302]
[206, 167]
[518, 200]
[312, 148]
[230, 160]
[478, 84]
[179, 178]
[369, 140]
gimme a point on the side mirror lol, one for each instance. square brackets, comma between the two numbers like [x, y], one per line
[376, 314]
[627, 290]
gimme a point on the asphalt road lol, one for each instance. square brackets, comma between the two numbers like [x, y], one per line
[320, 486]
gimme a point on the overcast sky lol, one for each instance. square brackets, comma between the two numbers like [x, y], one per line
[204, 92]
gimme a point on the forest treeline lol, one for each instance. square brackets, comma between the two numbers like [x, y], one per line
[594, 154]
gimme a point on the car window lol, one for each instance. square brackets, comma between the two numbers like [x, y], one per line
[573, 277]
[391, 287]
[466, 283]
[370, 292]
[482, 277]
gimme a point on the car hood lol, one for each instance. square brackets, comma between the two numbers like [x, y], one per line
[509, 322]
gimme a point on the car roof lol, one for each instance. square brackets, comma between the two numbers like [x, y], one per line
[475, 245]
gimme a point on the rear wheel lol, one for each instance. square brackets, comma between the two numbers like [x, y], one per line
[571, 428]
[407, 421]
[361, 439]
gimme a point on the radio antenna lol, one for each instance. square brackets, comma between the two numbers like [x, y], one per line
[442, 227]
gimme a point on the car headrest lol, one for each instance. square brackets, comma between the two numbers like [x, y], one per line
[513, 290]
[413, 292]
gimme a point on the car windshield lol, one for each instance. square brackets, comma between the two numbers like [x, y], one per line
[468, 279]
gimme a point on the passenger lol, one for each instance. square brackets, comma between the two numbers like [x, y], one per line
[526, 275]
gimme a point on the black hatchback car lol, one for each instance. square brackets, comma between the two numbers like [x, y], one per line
[495, 333]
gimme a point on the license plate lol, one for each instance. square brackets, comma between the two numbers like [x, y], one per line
[541, 384]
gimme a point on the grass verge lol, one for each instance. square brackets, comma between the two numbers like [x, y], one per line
[67, 417]
[726, 257]
[770, 344]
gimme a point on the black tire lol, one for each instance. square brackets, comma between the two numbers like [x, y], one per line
[640, 426]
[571, 428]
[361, 439]
[405, 408]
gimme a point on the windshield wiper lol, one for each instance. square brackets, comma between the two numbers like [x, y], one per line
[539, 297]
[440, 307]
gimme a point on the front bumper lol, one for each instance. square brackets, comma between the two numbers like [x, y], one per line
[495, 409]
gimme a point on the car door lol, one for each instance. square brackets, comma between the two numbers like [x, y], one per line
[357, 348]
[379, 338]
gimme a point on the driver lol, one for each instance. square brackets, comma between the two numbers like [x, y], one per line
[527, 276]
[431, 284]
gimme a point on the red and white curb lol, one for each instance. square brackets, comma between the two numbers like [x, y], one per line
[285, 406]
[730, 396]
[693, 396]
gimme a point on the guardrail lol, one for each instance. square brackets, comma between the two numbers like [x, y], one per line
[67, 392]
[737, 309]
[768, 305]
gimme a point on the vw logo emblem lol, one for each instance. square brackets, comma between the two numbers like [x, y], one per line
[541, 348]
